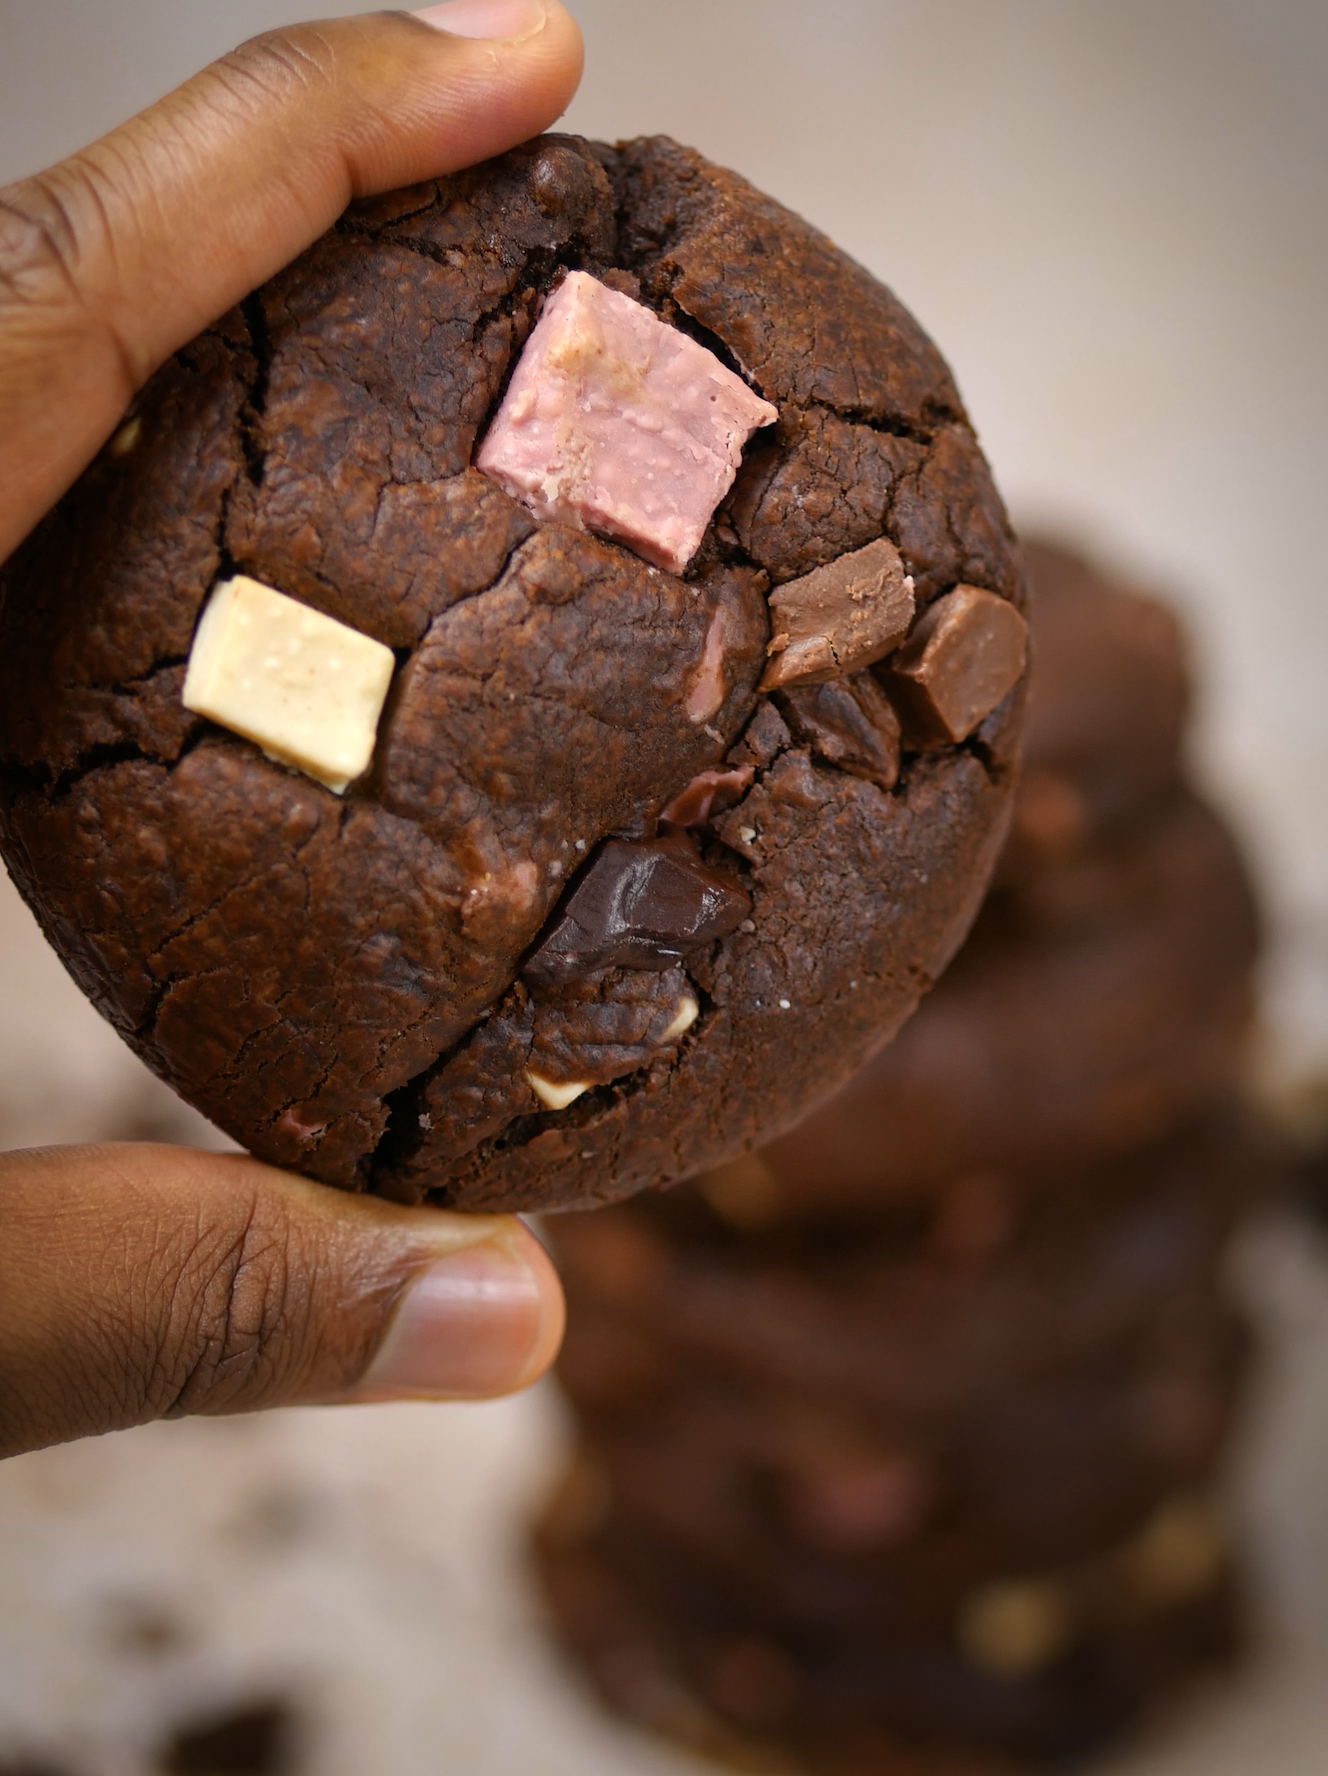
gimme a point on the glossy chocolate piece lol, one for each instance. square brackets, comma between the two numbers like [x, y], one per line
[709, 792]
[638, 905]
[839, 617]
[850, 723]
[966, 654]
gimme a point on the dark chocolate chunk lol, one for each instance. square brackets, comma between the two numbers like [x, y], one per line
[641, 905]
[851, 723]
[965, 655]
[839, 617]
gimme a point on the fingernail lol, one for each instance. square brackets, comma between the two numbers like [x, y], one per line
[467, 1328]
[509, 20]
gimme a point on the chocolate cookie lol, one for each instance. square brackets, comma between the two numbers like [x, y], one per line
[1108, 703]
[1099, 1002]
[918, 1320]
[1038, 1667]
[912, 1487]
[655, 838]
[808, 1515]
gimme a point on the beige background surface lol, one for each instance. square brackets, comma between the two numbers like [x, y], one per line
[1110, 214]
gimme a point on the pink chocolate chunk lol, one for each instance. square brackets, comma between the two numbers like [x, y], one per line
[617, 423]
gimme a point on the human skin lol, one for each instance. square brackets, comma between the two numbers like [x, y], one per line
[139, 1282]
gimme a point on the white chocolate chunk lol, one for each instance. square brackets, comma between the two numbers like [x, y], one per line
[126, 438]
[1179, 1554]
[686, 1015]
[552, 1095]
[304, 687]
[1016, 1628]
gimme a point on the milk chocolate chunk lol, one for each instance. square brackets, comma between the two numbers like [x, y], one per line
[850, 723]
[638, 905]
[965, 655]
[838, 618]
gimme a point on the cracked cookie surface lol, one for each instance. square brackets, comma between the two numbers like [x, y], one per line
[338, 982]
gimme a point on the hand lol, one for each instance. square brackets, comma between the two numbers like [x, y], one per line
[145, 1282]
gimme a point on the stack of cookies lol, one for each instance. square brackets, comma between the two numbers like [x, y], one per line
[898, 1439]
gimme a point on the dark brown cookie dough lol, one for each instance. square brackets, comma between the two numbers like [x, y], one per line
[345, 985]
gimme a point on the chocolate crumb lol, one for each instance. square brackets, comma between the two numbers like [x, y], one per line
[709, 792]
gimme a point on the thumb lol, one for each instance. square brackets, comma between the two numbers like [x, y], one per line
[144, 1282]
[116, 257]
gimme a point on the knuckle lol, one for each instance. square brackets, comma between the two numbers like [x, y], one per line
[235, 1324]
[55, 232]
[278, 65]
[39, 242]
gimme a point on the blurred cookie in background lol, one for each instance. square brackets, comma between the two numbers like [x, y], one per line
[902, 1439]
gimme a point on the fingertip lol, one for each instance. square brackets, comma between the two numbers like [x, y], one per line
[490, 21]
[564, 50]
[497, 92]
[481, 1314]
[563, 40]
[509, 21]
[553, 1310]
[474, 1324]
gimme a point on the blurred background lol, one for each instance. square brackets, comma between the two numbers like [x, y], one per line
[1109, 213]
